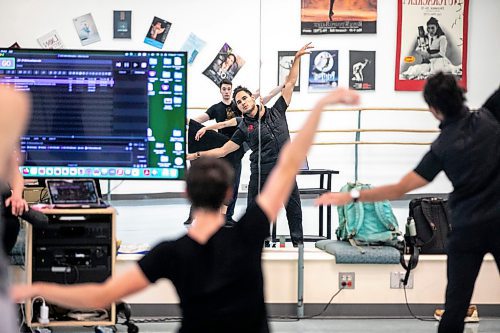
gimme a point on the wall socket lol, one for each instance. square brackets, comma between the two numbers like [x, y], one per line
[346, 280]
[244, 187]
[397, 280]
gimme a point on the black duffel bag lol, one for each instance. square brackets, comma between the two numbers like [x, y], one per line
[432, 224]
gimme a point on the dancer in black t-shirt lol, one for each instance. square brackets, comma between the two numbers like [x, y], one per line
[225, 112]
[216, 271]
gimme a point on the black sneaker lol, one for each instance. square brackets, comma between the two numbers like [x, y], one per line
[188, 221]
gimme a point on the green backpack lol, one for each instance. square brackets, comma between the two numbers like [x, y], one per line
[367, 223]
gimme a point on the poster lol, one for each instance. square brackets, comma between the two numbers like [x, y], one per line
[51, 40]
[431, 38]
[338, 17]
[225, 65]
[285, 62]
[193, 46]
[122, 24]
[86, 29]
[362, 70]
[157, 32]
[323, 70]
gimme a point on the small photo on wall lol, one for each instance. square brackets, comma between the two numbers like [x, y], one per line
[122, 24]
[323, 70]
[86, 29]
[362, 70]
[193, 46]
[285, 62]
[157, 32]
[225, 65]
[51, 40]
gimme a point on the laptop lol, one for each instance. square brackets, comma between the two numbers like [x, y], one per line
[74, 193]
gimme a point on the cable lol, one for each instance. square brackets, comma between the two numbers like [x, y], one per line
[97, 314]
[296, 318]
[411, 312]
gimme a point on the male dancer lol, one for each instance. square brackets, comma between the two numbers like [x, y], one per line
[223, 112]
[266, 131]
[216, 271]
[468, 151]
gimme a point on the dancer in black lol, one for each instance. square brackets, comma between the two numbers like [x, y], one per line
[266, 131]
[468, 151]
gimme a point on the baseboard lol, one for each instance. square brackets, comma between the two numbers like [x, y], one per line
[334, 310]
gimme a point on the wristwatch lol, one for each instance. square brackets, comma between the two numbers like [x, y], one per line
[355, 194]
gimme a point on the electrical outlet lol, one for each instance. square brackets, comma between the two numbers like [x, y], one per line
[244, 187]
[346, 280]
[397, 280]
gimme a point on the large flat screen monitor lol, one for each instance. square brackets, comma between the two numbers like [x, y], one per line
[101, 114]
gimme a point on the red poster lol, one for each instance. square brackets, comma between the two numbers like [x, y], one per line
[432, 37]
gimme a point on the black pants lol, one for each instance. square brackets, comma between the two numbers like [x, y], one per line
[236, 185]
[466, 249]
[293, 206]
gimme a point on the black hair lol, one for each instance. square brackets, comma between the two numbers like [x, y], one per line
[493, 103]
[225, 81]
[434, 21]
[443, 93]
[240, 88]
[207, 182]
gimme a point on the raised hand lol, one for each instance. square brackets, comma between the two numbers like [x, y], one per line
[335, 199]
[304, 50]
[340, 96]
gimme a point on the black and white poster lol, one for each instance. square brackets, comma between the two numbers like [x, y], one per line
[323, 70]
[285, 62]
[431, 38]
[362, 70]
[122, 24]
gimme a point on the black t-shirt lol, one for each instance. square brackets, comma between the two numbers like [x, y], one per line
[222, 112]
[220, 283]
[468, 151]
[269, 140]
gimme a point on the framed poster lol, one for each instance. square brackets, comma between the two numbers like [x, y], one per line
[323, 70]
[362, 70]
[285, 62]
[338, 17]
[122, 24]
[157, 32]
[225, 65]
[431, 38]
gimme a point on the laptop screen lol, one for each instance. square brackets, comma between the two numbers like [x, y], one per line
[76, 191]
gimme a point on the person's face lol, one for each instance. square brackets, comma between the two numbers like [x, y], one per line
[225, 91]
[245, 102]
[431, 29]
[228, 62]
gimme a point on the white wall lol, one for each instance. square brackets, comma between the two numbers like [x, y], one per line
[257, 30]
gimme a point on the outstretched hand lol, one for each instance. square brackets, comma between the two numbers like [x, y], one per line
[335, 199]
[340, 96]
[304, 50]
